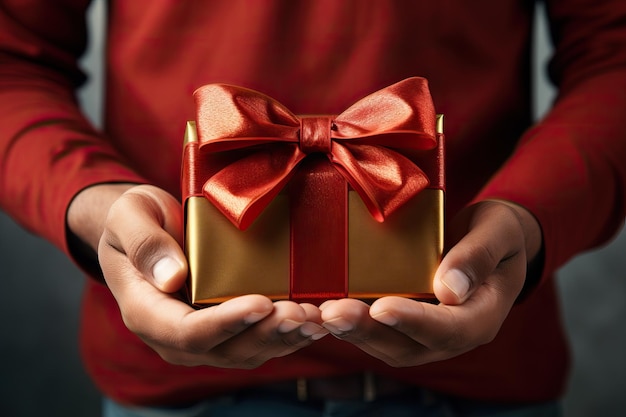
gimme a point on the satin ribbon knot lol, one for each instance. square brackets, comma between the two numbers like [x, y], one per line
[315, 134]
[365, 143]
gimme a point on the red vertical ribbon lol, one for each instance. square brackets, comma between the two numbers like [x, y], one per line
[318, 197]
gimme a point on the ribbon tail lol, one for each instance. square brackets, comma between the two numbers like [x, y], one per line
[243, 189]
[382, 190]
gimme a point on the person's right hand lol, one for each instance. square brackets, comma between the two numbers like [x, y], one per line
[139, 251]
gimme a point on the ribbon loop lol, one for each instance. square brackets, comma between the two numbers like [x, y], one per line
[315, 134]
[365, 144]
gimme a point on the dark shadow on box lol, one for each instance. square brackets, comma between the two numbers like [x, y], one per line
[41, 371]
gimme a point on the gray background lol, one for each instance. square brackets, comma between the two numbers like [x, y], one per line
[40, 370]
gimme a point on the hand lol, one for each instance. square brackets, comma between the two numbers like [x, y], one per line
[477, 283]
[139, 250]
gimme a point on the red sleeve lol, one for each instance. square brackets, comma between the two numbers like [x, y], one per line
[570, 168]
[48, 149]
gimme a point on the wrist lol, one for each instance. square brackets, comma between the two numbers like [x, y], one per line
[88, 211]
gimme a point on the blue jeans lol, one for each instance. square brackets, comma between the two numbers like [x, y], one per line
[268, 406]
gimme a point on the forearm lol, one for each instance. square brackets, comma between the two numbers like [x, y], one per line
[49, 151]
[49, 154]
[569, 171]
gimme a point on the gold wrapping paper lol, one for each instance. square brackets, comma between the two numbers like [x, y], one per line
[396, 257]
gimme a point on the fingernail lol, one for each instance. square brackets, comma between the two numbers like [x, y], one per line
[165, 269]
[326, 304]
[254, 317]
[313, 331]
[288, 325]
[338, 326]
[318, 336]
[386, 318]
[457, 282]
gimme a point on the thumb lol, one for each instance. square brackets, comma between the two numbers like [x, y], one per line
[145, 225]
[169, 273]
[489, 249]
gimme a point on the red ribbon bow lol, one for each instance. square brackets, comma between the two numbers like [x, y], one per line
[359, 142]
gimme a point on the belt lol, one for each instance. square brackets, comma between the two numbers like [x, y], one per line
[357, 387]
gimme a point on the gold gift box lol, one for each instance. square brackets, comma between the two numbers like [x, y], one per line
[396, 257]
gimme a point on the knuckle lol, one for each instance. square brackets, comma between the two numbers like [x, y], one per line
[483, 261]
[132, 241]
[141, 247]
[485, 253]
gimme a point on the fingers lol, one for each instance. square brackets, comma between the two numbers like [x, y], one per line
[404, 332]
[492, 239]
[241, 333]
[435, 332]
[142, 261]
[350, 321]
[145, 226]
[477, 283]
[284, 331]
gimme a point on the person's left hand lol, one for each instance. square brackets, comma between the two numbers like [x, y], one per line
[476, 283]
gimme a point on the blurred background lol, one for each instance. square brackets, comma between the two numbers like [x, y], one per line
[40, 367]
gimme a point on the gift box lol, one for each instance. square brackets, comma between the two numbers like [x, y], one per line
[310, 208]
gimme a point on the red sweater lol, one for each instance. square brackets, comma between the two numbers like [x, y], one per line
[318, 57]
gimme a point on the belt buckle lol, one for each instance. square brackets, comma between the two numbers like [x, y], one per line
[369, 388]
[302, 390]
